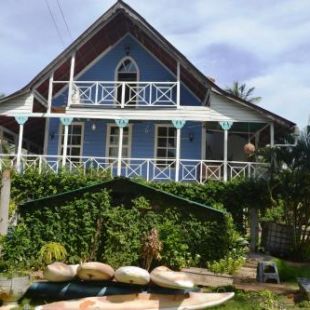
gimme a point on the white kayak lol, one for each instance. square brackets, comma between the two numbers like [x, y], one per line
[133, 275]
[95, 271]
[60, 272]
[143, 301]
[165, 277]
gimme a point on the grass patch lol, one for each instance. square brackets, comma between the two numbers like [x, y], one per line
[290, 272]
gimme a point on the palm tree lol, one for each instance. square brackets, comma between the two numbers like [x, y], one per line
[241, 91]
[2, 95]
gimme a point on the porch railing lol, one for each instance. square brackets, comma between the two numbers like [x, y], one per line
[150, 169]
[123, 94]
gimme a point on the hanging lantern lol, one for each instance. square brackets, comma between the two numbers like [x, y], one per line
[249, 148]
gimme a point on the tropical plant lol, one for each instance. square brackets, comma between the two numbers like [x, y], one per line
[243, 92]
[52, 251]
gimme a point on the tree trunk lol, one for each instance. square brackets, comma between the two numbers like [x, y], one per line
[5, 201]
[253, 218]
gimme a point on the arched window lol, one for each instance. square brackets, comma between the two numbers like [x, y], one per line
[127, 71]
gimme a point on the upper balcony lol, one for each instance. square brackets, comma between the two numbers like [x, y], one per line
[119, 94]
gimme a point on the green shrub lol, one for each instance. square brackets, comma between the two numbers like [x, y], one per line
[90, 227]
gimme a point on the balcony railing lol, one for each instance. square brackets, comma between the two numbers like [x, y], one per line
[123, 94]
[149, 168]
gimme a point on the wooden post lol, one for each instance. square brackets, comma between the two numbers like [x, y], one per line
[225, 126]
[253, 219]
[178, 98]
[178, 124]
[271, 135]
[5, 201]
[121, 123]
[71, 78]
[66, 121]
[21, 120]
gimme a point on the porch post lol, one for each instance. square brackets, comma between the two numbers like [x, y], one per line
[121, 123]
[271, 134]
[178, 124]
[178, 98]
[66, 121]
[21, 120]
[50, 93]
[225, 126]
[70, 90]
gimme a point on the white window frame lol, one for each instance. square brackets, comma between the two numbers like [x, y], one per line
[108, 133]
[61, 128]
[156, 142]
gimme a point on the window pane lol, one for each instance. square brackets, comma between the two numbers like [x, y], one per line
[114, 130]
[75, 151]
[125, 140]
[162, 131]
[125, 152]
[162, 142]
[161, 153]
[171, 132]
[171, 153]
[113, 140]
[77, 129]
[171, 142]
[76, 140]
[113, 152]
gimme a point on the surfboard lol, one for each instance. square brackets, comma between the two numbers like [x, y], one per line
[132, 274]
[94, 271]
[59, 272]
[165, 277]
[191, 301]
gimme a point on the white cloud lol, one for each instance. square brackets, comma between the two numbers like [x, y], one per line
[270, 37]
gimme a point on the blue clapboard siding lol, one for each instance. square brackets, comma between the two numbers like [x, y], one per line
[143, 139]
[150, 69]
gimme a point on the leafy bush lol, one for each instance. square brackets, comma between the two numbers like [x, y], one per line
[229, 264]
[90, 227]
[33, 185]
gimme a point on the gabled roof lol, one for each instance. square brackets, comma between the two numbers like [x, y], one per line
[108, 29]
[124, 187]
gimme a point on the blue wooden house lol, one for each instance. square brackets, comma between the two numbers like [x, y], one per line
[122, 98]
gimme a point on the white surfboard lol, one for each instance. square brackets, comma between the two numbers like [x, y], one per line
[132, 274]
[60, 272]
[95, 271]
[165, 277]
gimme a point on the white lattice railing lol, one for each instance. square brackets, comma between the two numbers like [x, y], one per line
[149, 168]
[123, 94]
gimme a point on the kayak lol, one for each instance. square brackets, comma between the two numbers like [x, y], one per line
[143, 301]
[79, 289]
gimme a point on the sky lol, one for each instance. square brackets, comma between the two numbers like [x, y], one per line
[265, 43]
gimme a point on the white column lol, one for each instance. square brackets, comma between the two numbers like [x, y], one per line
[70, 90]
[225, 126]
[225, 153]
[178, 98]
[178, 124]
[271, 134]
[66, 121]
[50, 93]
[121, 123]
[21, 120]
